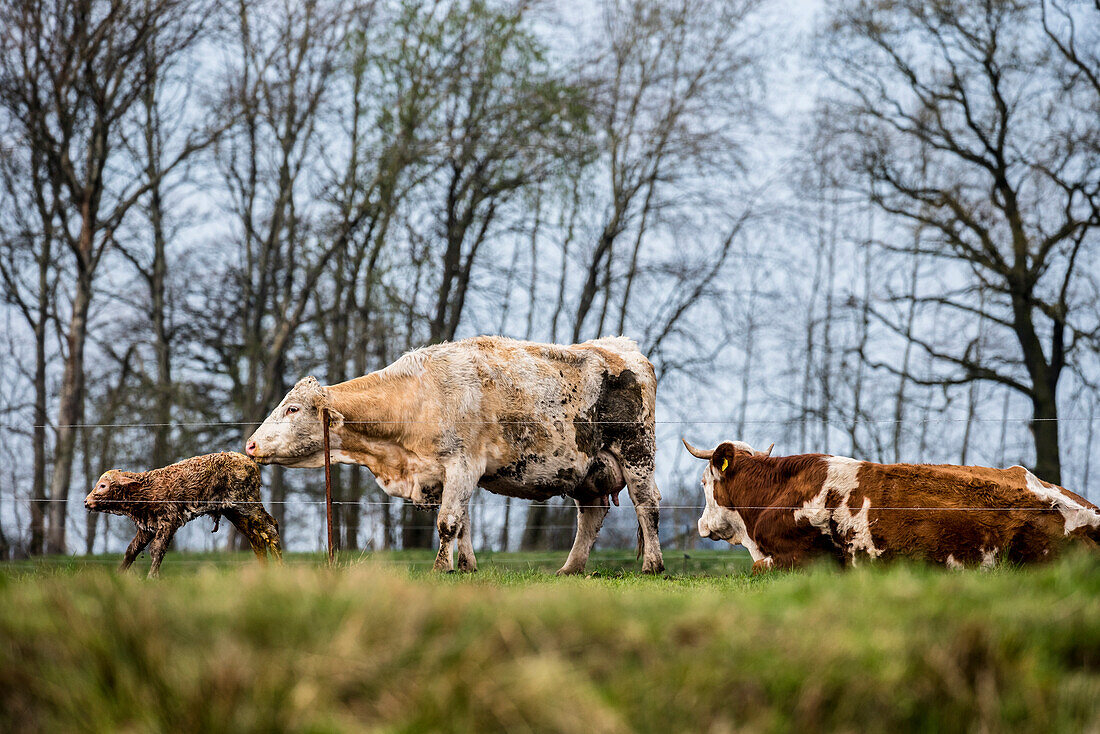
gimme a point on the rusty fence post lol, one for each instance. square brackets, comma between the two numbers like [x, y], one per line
[328, 490]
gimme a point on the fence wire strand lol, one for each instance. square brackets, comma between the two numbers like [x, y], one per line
[761, 421]
[349, 503]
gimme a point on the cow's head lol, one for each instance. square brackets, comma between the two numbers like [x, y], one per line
[293, 435]
[717, 522]
[113, 491]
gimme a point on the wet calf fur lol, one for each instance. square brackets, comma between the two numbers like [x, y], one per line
[162, 501]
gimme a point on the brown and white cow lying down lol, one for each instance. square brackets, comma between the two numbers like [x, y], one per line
[162, 501]
[518, 418]
[793, 509]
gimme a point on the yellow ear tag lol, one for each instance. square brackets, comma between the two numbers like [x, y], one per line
[725, 463]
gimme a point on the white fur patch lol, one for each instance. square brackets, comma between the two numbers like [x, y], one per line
[953, 564]
[841, 479]
[1073, 512]
[989, 558]
[722, 523]
[409, 364]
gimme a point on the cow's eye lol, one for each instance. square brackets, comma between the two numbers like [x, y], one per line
[291, 409]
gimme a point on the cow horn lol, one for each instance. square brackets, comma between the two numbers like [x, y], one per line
[766, 453]
[697, 453]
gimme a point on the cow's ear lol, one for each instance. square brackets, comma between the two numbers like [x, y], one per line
[723, 459]
[127, 482]
[335, 418]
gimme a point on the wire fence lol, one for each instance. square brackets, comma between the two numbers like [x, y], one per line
[748, 421]
[390, 505]
[215, 505]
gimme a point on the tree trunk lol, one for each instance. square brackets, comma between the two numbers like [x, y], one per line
[38, 486]
[903, 378]
[416, 527]
[388, 537]
[534, 530]
[157, 275]
[592, 280]
[163, 396]
[1088, 450]
[1044, 427]
[350, 511]
[70, 404]
[746, 368]
[507, 521]
[1003, 445]
[1044, 386]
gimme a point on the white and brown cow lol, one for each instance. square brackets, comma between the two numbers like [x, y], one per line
[793, 509]
[518, 418]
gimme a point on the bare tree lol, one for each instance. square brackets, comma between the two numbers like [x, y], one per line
[167, 143]
[671, 79]
[1007, 197]
[72, 74]
[29, 274]
[506, 123]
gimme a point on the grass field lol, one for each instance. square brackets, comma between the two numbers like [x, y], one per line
[381, 644]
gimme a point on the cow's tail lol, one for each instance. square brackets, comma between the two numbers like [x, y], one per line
[641, 545]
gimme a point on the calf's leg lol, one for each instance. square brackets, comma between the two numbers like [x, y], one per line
[137, 545]
[159, 547]
[259, 528]
[589, 521]
[269, 533]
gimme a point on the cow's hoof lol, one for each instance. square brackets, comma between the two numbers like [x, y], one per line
[567, 571]
[653, 567]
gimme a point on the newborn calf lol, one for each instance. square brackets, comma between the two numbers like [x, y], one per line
[161, 501]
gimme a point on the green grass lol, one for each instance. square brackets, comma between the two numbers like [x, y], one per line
[381, 644]
[493, 566]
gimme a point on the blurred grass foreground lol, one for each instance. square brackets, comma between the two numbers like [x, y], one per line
[376, 647]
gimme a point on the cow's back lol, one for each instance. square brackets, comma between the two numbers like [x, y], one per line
[967, 514]
[498, 377]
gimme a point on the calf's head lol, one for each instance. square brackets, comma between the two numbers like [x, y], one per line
[293, 435]
[718, 522]
[113, 492]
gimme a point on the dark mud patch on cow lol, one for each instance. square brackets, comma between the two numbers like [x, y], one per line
[616, 415]
[523, 432]
[432, 496]
[516, 480]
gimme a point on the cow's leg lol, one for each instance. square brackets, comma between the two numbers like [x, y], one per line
[159, 547]
[647, 503]
[464, 546]
[137, 545]
[589, 521]
[459, 482]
